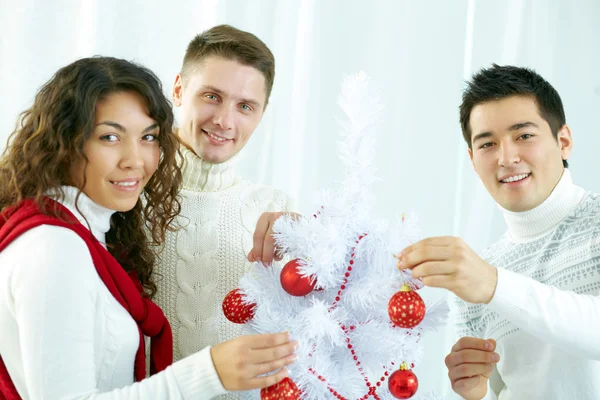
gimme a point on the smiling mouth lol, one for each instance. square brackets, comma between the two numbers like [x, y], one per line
[516, 178]
[215, 137]
[125, 184]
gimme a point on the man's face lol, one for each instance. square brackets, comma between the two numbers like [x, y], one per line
[222, 102]
[514, 152]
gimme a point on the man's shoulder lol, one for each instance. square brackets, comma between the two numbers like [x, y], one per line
[584, 220]
[259, 187]
[275, 199]
[588, 208]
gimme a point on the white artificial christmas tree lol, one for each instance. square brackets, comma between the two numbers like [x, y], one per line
[343, 276]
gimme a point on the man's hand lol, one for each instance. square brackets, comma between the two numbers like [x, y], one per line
[242, 362]
[470, 364]
[264, 249]
[447, 262]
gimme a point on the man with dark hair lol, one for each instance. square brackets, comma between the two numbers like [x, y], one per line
[528, 312]
[500, 82]
[222, 91]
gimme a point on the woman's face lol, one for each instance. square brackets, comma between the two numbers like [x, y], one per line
[122, 151]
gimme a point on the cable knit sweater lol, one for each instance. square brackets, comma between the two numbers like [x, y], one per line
[205, 259]
[63, 334]
[545, 313]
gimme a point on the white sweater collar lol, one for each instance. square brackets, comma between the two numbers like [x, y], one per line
[203, 176]
[90, 214]
[543, 218]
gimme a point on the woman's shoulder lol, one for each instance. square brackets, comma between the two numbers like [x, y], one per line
[57, 254]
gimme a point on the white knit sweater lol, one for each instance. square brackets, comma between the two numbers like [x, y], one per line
[205, 259]
[63, 334]
[545, 313]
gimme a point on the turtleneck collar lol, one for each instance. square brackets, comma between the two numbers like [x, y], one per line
[543, 218]
[202, 176]
[90, 214]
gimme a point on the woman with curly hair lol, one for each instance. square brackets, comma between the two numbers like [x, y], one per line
[88, 187]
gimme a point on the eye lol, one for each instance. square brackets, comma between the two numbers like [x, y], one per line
[212, 97]
[109, 138]
[150, 137]
[486, 145]
[526, 136]
[246, 107]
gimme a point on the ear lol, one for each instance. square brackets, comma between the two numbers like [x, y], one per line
[565, 142]
[177, 90]
[471, 156]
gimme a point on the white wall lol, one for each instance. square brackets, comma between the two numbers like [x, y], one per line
[417, 53]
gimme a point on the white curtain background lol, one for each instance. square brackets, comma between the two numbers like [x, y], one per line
[418, 54]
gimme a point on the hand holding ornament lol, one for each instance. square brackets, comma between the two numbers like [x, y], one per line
[241, 362]
[449, 263]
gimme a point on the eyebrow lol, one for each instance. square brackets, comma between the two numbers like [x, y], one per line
[481, 136]
[121, 128]
[521, 125]
[514, 127]
[253, 102]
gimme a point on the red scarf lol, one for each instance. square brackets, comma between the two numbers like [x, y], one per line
[16, 220]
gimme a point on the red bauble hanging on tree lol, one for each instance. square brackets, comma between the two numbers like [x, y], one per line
[406, 308]
[403, 384]
[236, 309]
[294, 283]
[284, 390]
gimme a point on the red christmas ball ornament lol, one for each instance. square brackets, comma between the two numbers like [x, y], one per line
[236, 309]
[294, 283]
[284, 390]
[403, 384]
[406, 308]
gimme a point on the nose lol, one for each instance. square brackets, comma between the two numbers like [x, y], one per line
[223, 117]
[508, 154]
[131, 155]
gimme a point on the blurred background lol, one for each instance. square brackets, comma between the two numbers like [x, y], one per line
[418, 54]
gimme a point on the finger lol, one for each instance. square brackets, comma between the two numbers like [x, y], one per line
[466, 384]
[278, 255]
[251, 256]
[259, 356]
[433, 268]
[268, 340]
[439, 281]
[470, 356]
[436, 241]
[266, 381]
[439, 241]
[271, 366]
[268, 245]
[262, 226]
[468, 370]
[474, 343]
[424, 253]
[295, 216]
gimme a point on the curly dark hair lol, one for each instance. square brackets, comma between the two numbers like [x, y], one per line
[51, 135]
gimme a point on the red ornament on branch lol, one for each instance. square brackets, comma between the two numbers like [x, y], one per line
[406, 308]
[403, 384]
[236, 309]
[294, 283]
[284, 390]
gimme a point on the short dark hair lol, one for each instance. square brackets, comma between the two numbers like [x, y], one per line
[499, 82]
[231, 44]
